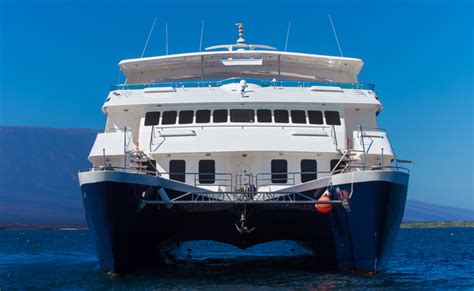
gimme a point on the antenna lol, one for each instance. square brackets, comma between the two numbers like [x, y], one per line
[241, 38]
[335, 35]
[166, 32]
[148, 38]
[202, 35]
[287, 35]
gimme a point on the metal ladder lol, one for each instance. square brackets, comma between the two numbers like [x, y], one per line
[140, 161]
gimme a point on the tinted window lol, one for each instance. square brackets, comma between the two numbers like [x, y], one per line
[309, 170]
[298, 116]
[264, 115]
[219, 115]
[332, 118]
[242, 115]
[177, 170]
[169, 117]
[281, 116]
[279, 171]
[203, 116]
[333, 164]
[207, 171]
[315, 117]
[152, 118]
[186, 117]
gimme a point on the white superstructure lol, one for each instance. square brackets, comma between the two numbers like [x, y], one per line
[223, 120]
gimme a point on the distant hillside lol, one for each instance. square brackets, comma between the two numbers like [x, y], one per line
[39, 185]
[421, 211]
[38, 176]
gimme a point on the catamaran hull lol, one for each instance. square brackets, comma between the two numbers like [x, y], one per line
[130, 235]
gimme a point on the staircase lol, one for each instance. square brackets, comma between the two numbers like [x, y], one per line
[141, 162]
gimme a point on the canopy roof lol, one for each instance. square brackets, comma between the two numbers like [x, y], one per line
[241, 63]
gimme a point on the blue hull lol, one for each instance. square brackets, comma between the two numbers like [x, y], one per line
[129, 237]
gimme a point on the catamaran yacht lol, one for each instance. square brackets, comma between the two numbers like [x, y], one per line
[244, 144]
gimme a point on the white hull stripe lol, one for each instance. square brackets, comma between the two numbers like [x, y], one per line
[344, 178]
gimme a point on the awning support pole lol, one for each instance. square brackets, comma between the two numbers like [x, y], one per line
[202, 68]
[279, 70]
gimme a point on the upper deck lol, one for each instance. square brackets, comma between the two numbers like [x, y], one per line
[276, 65]
[241, 60]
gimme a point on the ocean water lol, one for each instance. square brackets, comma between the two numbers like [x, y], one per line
[422, 258]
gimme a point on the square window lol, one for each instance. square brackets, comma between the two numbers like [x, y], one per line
[298, 116]
[152, 118]
[203, 116]
[315, 117]
[219, 116]
[264, 115]
[332, 118]
[186, 117]
[169, 117]
[281, 116]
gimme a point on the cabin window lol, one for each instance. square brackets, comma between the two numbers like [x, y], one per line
[298, 116]
[333, 165]
[169, 117]
[152, 118]
[207, 171]
[281, 116]
[242, 115]
[186, 117]
[309, 169]
[315, 117]
[264, 115]
[203, 116]
[332, 118]
[219, 115]
[178, 170]
[279, 171]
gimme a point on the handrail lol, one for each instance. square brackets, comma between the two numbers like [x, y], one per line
[238, 198]
[363, 144]
[291, 177]
[197, 180]
[333, 128]
[260, 82]
[373, 129]
[237, 124]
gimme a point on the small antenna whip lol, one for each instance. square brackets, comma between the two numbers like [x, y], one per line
[148, 38]
[202, 35]
[335, 35]
[287, 35]
[166, 31]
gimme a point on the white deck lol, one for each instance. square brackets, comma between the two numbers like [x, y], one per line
[242, 64]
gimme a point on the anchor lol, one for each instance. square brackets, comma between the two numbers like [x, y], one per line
[242, 226]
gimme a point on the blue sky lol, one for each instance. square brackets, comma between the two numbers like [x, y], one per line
[59, 58]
